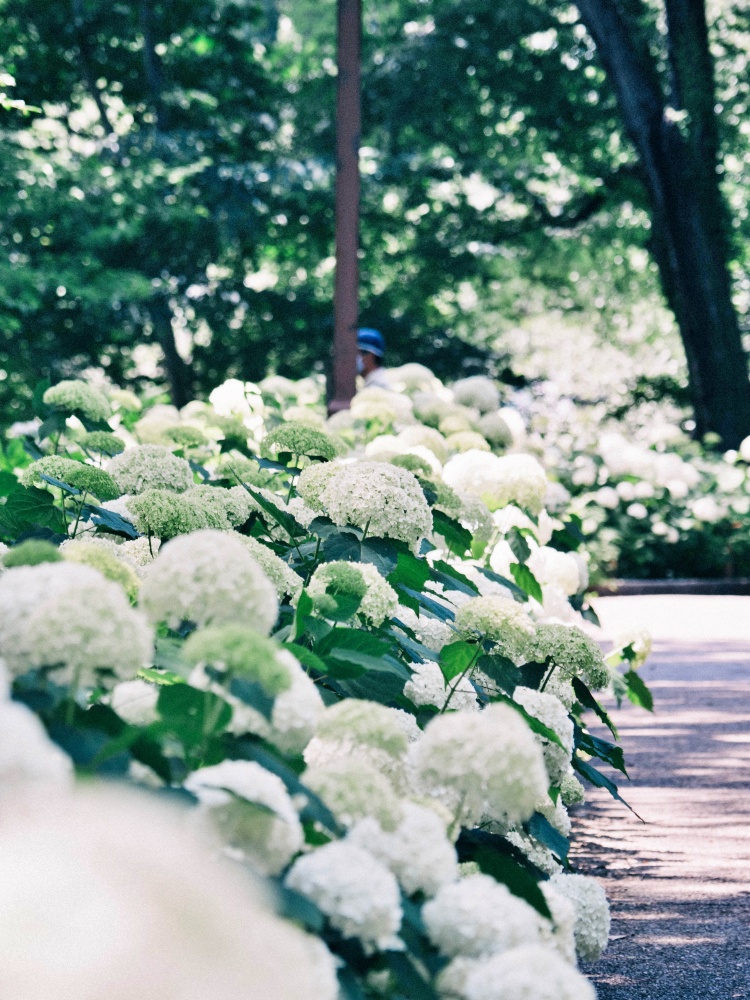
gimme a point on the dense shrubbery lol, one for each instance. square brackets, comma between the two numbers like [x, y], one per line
[355, 649]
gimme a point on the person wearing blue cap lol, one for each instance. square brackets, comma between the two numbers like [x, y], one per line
[370, 351]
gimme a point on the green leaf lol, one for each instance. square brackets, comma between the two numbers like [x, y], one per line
[456, 536]
[587, 699]
[192, 715]
[410, 981]
[341, 546]
[542, 830]
[168, 655]
[306, 657]
[638, 692]
[410, 572]
[356, 639]
[457, 657]
[339, 607]
[602, 749]
[518, 545]
[108, 519]
[164, 678]
[378, 664]
[436, 609]
[518, 594]
[527, 581]
[599, 780]
[26, 507]
[520, 882]
[282, 517]
[452, 579]
[501, 670]
[302, 613]
[8, 483]
[73, 490]
[381, 553]
[253, 694]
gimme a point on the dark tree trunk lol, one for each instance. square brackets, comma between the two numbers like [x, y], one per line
[678, 146]
[178, 373]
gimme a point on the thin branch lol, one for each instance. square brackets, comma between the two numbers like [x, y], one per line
[152, 64]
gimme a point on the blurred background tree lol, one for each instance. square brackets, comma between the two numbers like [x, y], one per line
[172, 205]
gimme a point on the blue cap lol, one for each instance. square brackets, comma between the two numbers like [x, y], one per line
[371, 341]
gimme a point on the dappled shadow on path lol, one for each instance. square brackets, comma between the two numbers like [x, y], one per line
[679, 884]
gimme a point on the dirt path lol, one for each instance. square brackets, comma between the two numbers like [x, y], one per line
[679, 884]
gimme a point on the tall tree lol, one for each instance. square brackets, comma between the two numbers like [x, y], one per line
[671, 120]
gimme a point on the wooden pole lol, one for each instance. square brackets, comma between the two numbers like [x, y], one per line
[348, 127]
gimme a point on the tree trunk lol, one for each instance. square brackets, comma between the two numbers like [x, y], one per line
[679, 151]
[178, 372]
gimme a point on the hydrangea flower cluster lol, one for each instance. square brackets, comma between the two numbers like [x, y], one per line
[517, 479]
[69, 619]
[378, 599]
[208, 578]
[150, 467]
[86, 478]
[500, 619]
[572, 652]
[481, 765]
[75, 396]
[300, 439]
[382, 500]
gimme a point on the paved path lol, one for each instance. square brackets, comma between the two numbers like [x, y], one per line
[679, 884]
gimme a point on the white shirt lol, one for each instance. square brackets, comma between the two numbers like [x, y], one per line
[378, 377]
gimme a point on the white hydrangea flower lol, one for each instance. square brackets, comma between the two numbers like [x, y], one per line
[376, 402]
[516, 478]
[27, 754]
[150, 467]
[480, 764]
[639, 639]
[378, 598]
[353, 788]
[550, 710]
[77, 869]
[69, 618]
[560, 569]
[140, 551]
[531, 972]
[281, 575]
[478, 391]
[573, 653]
[478, 916]
[560, 934]
[572, 791]
[208, 577]
[382, 499]
[358, 894]
[535, 852]
[295, 712]
[500, 619]
[431, 632]
[427, 687]
[135, 702]
[592, 913]
[418, 851]
[252, 811]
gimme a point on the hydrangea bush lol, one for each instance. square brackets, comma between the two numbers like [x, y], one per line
[359, 651]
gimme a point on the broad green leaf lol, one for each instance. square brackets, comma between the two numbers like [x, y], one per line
[282, 517]
[382, 553]
[596, 747]
[501, 670]
[339, 607]
[519, 595]
[638, 692]
[456, 536]
[518, 545]
[306, 657]
[192, 715]
[302, 613]
[436, 609]
[410, 572]
[108, 519]
[600, 780]
[452, 579]
[25, 508]
[164, 678]
[410, 981]
[65, 487]
[508, 871]
[457, 657]
[8, 483]
[254, 695]
[341, 546]
[587, 699]
[542, 830]
[356, 639]
[527, 581]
